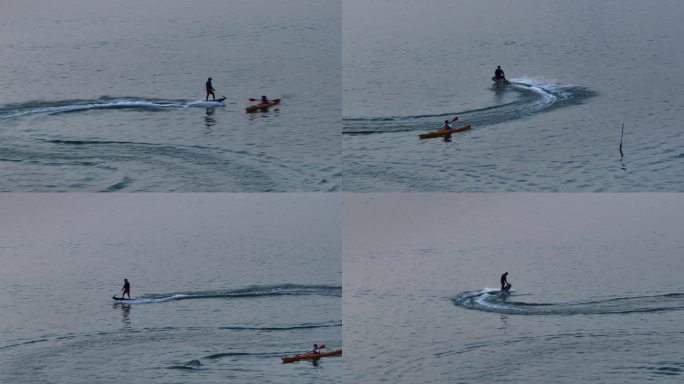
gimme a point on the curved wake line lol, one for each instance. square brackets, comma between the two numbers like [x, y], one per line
[419, 117]
[15, 345]
[54, 108]
[249, 292]
[483, 300]
[153, 330]
[105, 166]
[288, 328]
[532, 97]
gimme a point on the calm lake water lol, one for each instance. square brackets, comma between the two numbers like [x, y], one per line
[107, 96]
[224, 285]
[237, 253]
[579, 70]
[597, 288]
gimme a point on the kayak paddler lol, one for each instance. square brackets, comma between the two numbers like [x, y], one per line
[316, 349]
[210, 90]
[264, 99]
[447, 124]
[446, 127]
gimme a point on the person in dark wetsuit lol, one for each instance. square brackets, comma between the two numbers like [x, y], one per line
[126, 289]
[264, 99]
[210, 90]
[499, 73]
[504, 282]
[316, 349]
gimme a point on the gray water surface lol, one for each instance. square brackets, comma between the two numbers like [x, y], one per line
[597, 292]
[223, 286]
[108, 96]
[579, 71]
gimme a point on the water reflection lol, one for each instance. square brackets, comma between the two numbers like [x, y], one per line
[499, 93]
[209, 119]
[125, 314]
[623, 166]
[263, 114]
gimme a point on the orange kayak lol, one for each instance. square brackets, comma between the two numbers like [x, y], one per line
[303, 356]
[262, 106]
[443, 132]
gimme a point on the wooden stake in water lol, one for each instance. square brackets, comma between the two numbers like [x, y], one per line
[622, 134]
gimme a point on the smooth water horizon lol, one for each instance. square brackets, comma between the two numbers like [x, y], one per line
[579, 71]
[222, 287]
[109, 96]
[597, 294]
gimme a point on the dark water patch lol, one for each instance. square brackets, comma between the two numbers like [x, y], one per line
[655, 370]
[483, 300]
[120, 186]
[532, 97]
[191, 365]
[668, 371]
[239, 355]
[228, 354]
[17, 345]
[95, 142]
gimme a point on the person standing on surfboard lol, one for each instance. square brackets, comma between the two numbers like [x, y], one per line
[504, 282]
[499, 73]
[126, 289]
[210, 90]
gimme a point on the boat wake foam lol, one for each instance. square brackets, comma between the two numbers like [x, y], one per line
[490, 301]
[14, 111]
[533, 96]
[249, 292]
